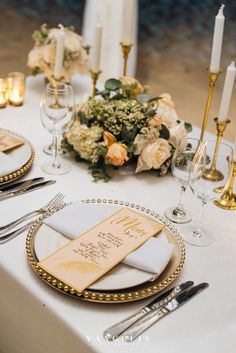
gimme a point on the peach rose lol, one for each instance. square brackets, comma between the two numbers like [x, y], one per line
[155, 121]
[166, 99]
[117, 154]
[108, 138]
[153, 155]
[131, 81]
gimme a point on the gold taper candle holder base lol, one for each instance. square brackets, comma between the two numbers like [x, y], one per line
[125, 50]
[212, 80]
[228, 200]
[212, 173]
[94, 75]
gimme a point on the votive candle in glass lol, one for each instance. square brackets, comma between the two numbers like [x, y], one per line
[16, 88]
[3, 93]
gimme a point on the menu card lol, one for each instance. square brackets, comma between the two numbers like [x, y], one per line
[8, 142]
[88, 257]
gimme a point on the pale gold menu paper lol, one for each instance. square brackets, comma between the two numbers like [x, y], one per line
[8, 142]
[88, 257]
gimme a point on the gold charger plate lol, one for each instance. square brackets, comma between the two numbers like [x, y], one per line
[24, 154]
[141, 291]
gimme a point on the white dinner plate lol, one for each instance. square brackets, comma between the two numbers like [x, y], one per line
[23, 155]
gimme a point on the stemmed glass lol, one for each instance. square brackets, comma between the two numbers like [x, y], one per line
[57, 115]
[180, 165]
[208, 189]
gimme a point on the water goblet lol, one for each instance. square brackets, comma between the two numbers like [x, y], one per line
[180, 166]
[57, 115]
[207, 189]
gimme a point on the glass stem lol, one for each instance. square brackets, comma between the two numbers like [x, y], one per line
[56, 138]
[180, 206]
[198, 231]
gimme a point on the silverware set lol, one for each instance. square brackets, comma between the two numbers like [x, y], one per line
[19, 188]
[133, 326]
[22, 187]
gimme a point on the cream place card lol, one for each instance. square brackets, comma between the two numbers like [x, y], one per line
[8, 142]
[88, 257]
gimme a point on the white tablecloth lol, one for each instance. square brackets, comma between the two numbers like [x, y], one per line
[35, 318]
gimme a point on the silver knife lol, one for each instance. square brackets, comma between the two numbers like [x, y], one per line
[16, 185]
[24, 190]
[155, 315]
[116, 330]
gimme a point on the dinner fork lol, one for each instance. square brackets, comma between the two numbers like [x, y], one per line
[55, 201]
[6, 237]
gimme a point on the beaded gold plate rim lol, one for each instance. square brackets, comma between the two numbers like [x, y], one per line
[145, 290]
[24, 168]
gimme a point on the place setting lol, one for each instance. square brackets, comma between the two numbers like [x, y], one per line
[101, 249]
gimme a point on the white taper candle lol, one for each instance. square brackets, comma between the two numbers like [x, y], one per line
[227, 92]
[217, 41]
[128, 22]
[97, 46]
[59, 53]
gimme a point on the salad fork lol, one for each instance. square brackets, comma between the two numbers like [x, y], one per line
[6, 237]
[55, 201]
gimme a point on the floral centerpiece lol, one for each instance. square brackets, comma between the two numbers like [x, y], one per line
[123, 123]
[42, 57]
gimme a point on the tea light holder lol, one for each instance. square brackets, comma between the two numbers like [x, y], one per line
[16, 88]
[3, 93]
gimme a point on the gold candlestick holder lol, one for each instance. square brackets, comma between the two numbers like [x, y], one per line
[212, 173]
[228, 200]
[212, 80]
[125, 50]
[94, 75]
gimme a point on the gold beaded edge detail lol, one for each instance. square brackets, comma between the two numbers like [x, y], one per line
[104, 297]
[25, 168]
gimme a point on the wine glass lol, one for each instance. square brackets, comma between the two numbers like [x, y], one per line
[57, 115]
[206, 180]
[180, 166]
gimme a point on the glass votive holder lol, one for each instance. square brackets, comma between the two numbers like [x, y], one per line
[16, 88]
[3, 93]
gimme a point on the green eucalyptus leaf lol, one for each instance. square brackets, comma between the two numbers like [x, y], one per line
[128, 136]
[188, 127]
[154, 99]
[144, 98]
[112, 84]
[101, 150]
[164, 132]
[150, 112]
[82, 118]
[117, 96]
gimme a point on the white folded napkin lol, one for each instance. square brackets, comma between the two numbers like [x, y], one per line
[77, 218]
[7, 164]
